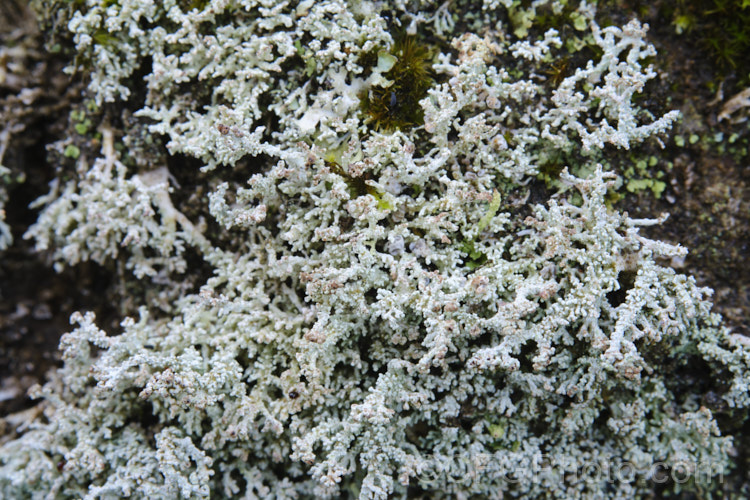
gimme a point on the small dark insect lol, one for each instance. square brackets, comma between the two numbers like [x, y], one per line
[223, 129]
[393, 104]
[293, 394]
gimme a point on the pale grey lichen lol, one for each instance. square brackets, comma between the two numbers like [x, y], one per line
[383, 320]
[106, 211]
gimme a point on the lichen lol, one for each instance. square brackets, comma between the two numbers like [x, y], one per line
[392, 311]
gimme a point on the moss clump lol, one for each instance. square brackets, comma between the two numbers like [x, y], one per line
[722, 28]
[396, 106]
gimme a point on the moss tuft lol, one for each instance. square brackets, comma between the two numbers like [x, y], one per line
[397, 105]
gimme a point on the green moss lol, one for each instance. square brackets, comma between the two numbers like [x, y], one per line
[722, 29]
[558, 70]
[397, 105]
